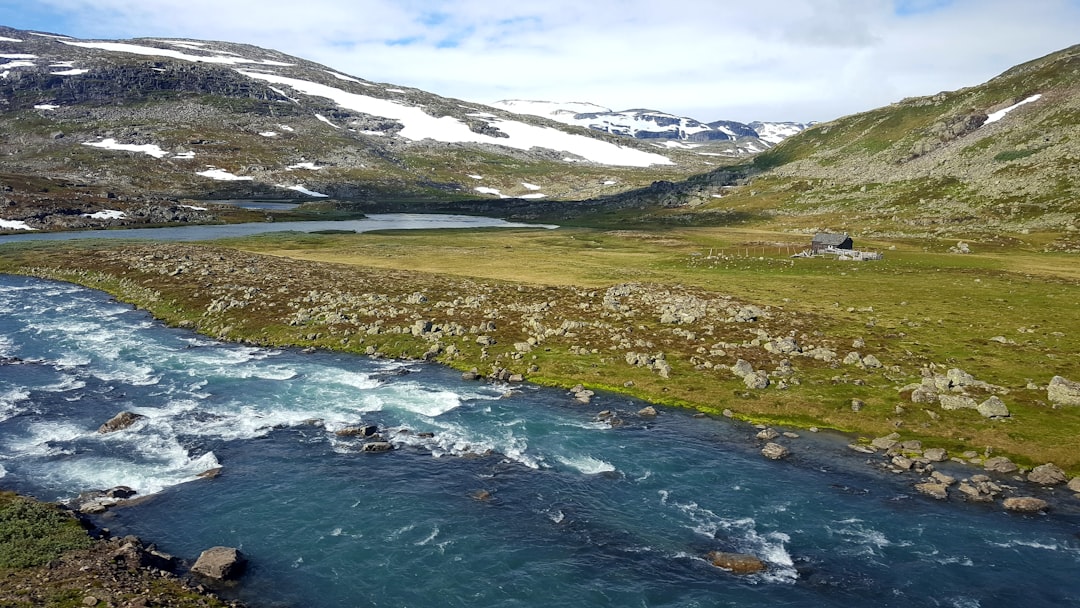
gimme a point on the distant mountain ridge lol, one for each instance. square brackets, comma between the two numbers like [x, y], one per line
[654, 124]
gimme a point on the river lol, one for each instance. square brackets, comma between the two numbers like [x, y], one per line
[576, 512]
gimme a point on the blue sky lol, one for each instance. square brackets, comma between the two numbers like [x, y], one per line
[710, 59]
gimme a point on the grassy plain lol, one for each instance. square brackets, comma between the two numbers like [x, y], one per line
[1006, 313]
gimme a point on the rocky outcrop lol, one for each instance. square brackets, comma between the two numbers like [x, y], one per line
[1063, 392]
[120, 422]
[993, 407]
[933, 489]
[999, 464]
[737, 563]
[220, 563]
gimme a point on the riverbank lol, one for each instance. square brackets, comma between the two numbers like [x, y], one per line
[48, 559]
[666, 343]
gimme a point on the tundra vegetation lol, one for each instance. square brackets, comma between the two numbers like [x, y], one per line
[920, 343]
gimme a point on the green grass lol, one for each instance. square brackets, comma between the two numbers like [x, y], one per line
[34, 533]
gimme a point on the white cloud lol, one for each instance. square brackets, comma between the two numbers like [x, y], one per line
[769, 59]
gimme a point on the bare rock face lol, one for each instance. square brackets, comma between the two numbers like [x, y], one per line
[1024, 504]
[738, 563]
[1047, 474]
[220, 563]
[120, 422]
[1063, 392]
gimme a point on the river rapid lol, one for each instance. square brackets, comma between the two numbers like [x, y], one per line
[495, 495]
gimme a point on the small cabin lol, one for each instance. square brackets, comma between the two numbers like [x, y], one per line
[826, 241]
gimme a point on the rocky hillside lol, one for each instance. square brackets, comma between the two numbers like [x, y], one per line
[107, 127]
[1003, 156]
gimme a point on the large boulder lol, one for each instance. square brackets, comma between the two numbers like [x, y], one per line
[936, 454]
[936, 490]
[220, 563]
[1024, 504]
[1063, 392]
[993, 407]
[120, 422]
[775, 451]
[999, 464]
[1048, 474]
[738, 563]
[956, 402]
[1074, 484]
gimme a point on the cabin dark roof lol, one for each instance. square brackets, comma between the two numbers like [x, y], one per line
[828, 238]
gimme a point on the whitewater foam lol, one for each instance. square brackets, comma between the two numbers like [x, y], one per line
[587, 464]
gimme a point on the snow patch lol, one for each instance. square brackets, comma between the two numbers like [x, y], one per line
[107, 214]
[311, 166]
[222, 175]
[286, 128]
[302, 190]
[326, 120]
[17, 56]
[344, 77]
[6, 39]
[15, 225]
[476, 176]
[610, 182]
[996, 116]
[184, 155]
[268, 133]
[111, 144]
[193, 207]
[418, 125]
[17, 64]
[123, 47]
[71, 72]
[530, 186]
[46, 106]
[533, 195]
[486, 190]
[394, 91]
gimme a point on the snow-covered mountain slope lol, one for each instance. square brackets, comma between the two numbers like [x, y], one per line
[190, 118]
[653, 124]
[776, 132]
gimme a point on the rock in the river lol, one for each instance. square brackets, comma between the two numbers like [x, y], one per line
[993, 407]
[1074, 484]
[120, 422]
[738, 563]
[939, 491]
[775, 451]
[999, 464]
[648, 411]
[767, 434]
[1025, 504]
[1048, 474]
[1063, 392]
[377, 446]
[220, 563]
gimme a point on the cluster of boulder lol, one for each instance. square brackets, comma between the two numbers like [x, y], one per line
[955, 390]
[903, 456]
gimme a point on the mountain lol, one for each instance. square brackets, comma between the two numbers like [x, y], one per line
[653, 124]
[89, 126]
[1000, 157]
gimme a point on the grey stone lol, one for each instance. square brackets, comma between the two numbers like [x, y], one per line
[1048, 474]
[220, 563]
[936, 454]
[767, 434]
[738, 563]
[924, 394]
[742, 368]
[1025, 504]
[999, 464]
[1074, 484]
[956, 402]
[942, 478]
[120, 422]
[775, 451]
[1063, 392]
[993, 407]
[937, 490]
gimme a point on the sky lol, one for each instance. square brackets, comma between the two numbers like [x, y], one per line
[743, 60]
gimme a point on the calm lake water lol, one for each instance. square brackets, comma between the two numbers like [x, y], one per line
[374, 221]
[580, 514]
